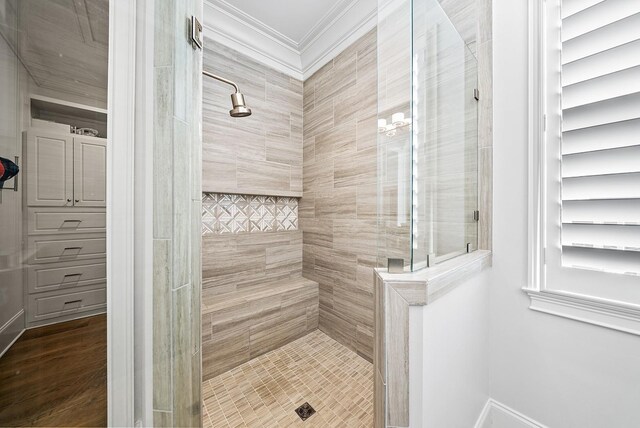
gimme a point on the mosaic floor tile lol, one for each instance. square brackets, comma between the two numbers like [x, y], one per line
[266, 391]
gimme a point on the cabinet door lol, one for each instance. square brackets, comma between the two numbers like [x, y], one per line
[49, 169]
[89, 172]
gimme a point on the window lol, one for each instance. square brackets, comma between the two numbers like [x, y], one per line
[585, 160]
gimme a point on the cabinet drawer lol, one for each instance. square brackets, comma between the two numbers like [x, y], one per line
[65, 248]
[60, 276]
[47, 221]
[55, 304]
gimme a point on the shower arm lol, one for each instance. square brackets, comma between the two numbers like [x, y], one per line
[221, 79]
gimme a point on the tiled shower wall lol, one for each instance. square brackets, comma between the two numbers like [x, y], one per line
[177, 218]
[339, 205]
[256, 155]
[254, 296]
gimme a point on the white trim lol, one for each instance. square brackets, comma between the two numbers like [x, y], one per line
[590, 309]
[15, 339]
[66, 103]
[342, 25]
[143, 232]
[7, 325]
[120, 213]
[253, 23]
[536, 144]
[337, 10]
[485, 419]
[11, 320]
[223, 26]
[612, 315]
[342, 33]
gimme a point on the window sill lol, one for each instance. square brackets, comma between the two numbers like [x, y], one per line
[625, 318]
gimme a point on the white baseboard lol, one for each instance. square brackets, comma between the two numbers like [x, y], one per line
[497, 415]
[11, 331]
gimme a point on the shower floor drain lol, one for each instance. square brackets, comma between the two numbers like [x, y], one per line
[305, 411]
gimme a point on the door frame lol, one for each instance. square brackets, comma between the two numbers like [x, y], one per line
[130, 214]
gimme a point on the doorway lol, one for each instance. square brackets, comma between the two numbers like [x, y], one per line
[53, 229]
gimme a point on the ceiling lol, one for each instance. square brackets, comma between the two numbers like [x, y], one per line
[63, 44]
[292, 19]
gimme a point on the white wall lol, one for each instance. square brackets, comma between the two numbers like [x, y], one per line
[455, 358]
[560, 372]
[12, 83]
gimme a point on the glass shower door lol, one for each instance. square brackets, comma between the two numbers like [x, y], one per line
[427, 136]
[444, 138]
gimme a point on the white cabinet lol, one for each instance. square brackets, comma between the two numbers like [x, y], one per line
[50, 170]
[65, 170]
[65, 239]
[89, 172]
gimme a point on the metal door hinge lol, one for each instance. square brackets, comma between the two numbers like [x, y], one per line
[196, 33]
[476, 94]
[476, 215]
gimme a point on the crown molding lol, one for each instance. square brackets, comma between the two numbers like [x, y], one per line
[342, 25]
[352, 21]
[223, 24]
[256, 24]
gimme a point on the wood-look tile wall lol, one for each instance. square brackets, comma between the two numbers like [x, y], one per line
[177, 216]
[394, 151]
[254, 298]
[485, 122]
[236, 262]
[256, 155]
[338, 210]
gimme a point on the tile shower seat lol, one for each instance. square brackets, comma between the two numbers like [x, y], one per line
[243, 324]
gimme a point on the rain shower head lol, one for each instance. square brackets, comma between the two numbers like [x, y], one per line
[240, 108]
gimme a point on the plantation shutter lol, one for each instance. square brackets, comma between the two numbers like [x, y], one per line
[600, 45]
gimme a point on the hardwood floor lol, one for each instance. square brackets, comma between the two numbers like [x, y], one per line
[56, 376]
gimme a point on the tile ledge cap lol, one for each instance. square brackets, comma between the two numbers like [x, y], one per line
[425, 286]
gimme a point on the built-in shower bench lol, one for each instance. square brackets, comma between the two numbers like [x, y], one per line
[242, 324]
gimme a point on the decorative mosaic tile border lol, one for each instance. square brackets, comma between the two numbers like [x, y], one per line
[226, 213]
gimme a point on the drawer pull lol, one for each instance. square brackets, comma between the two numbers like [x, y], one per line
[72, 248]
[72, 274]
[72, 221]
[73, 301]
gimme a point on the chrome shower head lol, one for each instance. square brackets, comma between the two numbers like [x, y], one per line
[240, 108]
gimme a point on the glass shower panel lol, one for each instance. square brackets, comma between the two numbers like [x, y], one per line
[427, 136]
[444, 138]
[394, 142]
